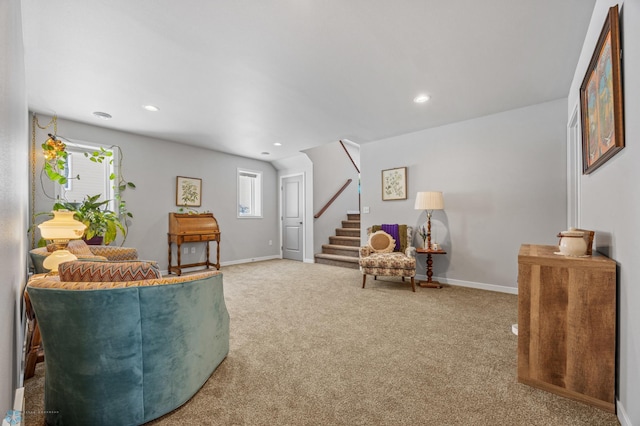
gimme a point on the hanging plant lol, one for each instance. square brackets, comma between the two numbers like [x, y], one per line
[100, 221]
[55, 159]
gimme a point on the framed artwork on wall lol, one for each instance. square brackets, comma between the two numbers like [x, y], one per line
[188, 191]
[601, 99]
[394, 184]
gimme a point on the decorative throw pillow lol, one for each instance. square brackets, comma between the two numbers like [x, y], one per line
[381, 242]
[79, 271]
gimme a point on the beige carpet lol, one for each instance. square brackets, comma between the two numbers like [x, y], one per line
[309, 346]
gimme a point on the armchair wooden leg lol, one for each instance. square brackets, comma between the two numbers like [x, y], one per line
[364, 280]
[413, 284]
[402, 279]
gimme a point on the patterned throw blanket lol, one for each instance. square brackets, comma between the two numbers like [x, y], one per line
[393, 231]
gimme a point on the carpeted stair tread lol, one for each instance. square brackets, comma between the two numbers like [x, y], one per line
[345, 241]
[352, 251]
[351, 224]
[338, 246]
[348, 259]
[348, 232]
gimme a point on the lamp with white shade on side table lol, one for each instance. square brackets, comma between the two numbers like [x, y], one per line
[430, 201]
[62, 228]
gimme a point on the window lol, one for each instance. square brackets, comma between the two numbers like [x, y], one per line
[249, 193]
[94, 176]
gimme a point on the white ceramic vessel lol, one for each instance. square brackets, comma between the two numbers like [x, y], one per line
[572, 243]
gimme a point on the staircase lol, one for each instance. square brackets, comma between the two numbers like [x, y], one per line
[343, 248]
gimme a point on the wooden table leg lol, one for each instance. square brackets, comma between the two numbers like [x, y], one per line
[35, 352]
[430, 283]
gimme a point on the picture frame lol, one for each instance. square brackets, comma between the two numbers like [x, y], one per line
[188, 191]
[394, 184]
[601, 99]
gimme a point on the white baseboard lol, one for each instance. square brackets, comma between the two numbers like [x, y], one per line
[18, 408]
[471, 284]
[309, 261]
[230, 262]
[623, 417]
[253, 259]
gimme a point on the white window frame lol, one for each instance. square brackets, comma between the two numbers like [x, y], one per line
[256, 195]
[110, 190]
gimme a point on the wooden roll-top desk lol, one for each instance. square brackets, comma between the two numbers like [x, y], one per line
[193, 228]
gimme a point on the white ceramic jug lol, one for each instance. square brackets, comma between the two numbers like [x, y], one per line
[572, 243]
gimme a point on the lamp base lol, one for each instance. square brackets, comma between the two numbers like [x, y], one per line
[57, 257]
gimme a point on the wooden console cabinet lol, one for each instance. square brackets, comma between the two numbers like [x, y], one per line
[193, 228]
[567, 324]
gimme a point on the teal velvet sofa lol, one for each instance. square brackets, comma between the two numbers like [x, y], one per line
[127, 352]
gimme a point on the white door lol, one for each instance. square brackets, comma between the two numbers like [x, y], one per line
[292, 218]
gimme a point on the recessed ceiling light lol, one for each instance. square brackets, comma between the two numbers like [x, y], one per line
[277, 144]
[264, 153]
[101, 115]
[151, 108]
[420, 99]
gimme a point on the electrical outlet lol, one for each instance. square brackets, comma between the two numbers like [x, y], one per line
[185, 250]
[193, 249]
[365, 209]
[270, 242]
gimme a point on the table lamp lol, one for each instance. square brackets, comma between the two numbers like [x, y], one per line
[429, 201]
[62, 228]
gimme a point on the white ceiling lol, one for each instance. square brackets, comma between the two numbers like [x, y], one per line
[239, 75]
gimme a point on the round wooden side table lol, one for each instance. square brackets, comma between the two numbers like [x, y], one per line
[430, 252]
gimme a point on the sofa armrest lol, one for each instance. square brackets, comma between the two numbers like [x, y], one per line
[115, 253]
[410, 251]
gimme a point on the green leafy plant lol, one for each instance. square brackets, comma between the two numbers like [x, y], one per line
[99, 220]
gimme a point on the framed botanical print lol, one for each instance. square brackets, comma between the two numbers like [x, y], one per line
[188, 191]
[394, 184]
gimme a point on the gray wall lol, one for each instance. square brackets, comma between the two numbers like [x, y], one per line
[331, 169]
[153, 164]
[610, 202]
[14, 201]
[503, 178]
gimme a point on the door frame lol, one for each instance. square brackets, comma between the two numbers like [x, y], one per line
[303, 200]
[574, 169]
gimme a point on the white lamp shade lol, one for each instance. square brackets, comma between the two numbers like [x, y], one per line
[62, 227]
[432, 200]
[57, 257]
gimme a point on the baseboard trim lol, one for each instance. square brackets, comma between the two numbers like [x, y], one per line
[472, 284]
[18, 408]
[230, 262]
[253, 259]
[623, 417]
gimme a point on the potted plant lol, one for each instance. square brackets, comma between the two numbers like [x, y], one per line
[102, 224]
[99, 219]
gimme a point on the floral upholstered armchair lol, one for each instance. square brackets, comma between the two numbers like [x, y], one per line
[389, 252]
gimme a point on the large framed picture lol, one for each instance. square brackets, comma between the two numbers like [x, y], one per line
[394, 184]
[601, 99]
[188, 191]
